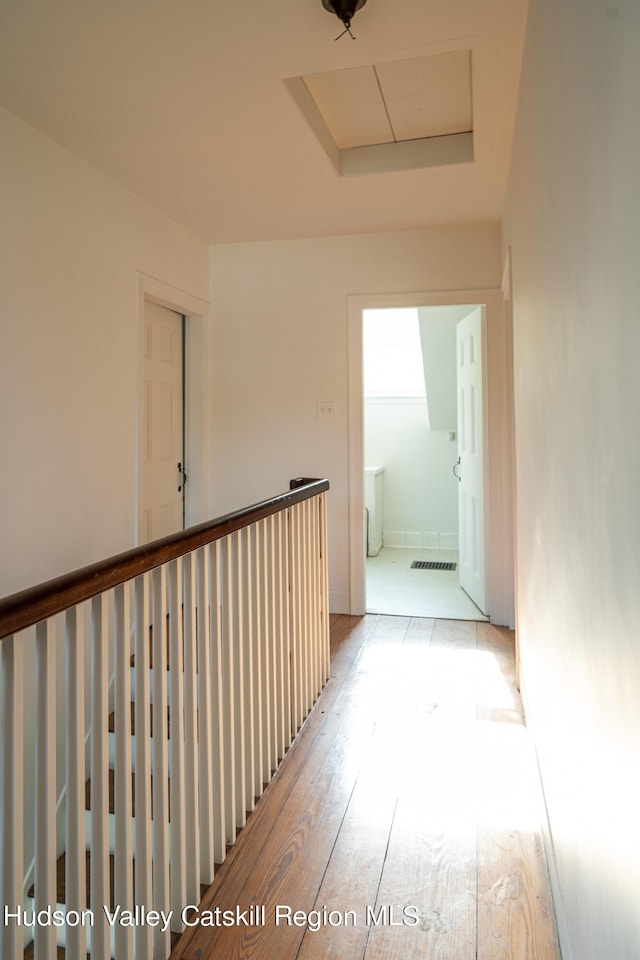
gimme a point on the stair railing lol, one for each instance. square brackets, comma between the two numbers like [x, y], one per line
[153, 695]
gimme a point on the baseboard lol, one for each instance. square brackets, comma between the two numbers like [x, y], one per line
[339, 602]
[448, 541]
[562, 924]
[420, 539]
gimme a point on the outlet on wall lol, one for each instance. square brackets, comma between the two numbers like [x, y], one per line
[326, 409]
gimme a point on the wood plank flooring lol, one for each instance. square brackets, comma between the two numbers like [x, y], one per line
[406, 813]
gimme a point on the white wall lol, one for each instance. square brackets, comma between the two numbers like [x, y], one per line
[573, 224]
[71, 244]
[420, 493]
[438, 338]
[280, 327]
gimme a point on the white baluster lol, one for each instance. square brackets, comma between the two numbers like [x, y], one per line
[280, 641]
[283, 634]
[260, 674]
[11, 759]
[99, 869]
[270, 649]
[205, 740]
[246, 640]
[45, 854]
[301, 638]
[314, 600]
[309, 590]
[237, 653]
[143, 934]
[76, 847]
[324, 567]
[265, 667]
[176, 742]
[160, 794]
[276, 643]
[282, 617]
[228, 690]
[192, 828]
[123, 867]
[305, 606]
[220, 724]
[320, 594]
[291, 612]
[295, 618]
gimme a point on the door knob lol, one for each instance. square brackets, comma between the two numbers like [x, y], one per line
[455, 468]
[183, 480]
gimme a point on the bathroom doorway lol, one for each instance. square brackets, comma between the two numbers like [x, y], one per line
[410, 445]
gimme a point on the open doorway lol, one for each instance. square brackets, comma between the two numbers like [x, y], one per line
[496, 404]
[411, 457]
[163, 461]
[185, 336]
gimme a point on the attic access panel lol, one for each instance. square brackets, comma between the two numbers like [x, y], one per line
[397, 115]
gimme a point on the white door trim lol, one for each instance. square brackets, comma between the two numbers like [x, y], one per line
[511, 544]
[498, 474]
[196, 394]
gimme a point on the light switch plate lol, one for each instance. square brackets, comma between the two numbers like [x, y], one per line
[326, 409]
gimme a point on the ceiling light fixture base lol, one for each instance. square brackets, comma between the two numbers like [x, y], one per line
[344, 11]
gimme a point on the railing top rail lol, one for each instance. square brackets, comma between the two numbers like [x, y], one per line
[23, 609]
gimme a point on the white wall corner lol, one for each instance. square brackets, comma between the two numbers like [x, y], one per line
[394, 538]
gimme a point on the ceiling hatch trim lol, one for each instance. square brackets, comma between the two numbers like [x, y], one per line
[398, 115]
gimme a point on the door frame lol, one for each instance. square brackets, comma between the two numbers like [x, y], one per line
[507, 295]
[497, 461]
[195, 392]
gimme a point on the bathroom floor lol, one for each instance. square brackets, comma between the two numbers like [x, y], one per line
[394, 588]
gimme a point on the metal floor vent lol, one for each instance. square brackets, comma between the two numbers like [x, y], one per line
[432, 565]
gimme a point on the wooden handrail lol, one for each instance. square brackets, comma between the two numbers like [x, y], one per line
[23, 609]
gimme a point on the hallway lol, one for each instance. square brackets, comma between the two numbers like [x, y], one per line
[408, 807]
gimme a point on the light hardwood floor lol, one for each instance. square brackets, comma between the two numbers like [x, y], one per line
[411, 787]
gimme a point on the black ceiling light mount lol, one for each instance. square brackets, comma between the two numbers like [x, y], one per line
[344, 10]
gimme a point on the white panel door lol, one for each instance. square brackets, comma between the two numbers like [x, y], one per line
[162, 426]
[470, 468]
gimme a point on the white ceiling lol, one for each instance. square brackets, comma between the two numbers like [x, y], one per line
[183, 102]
